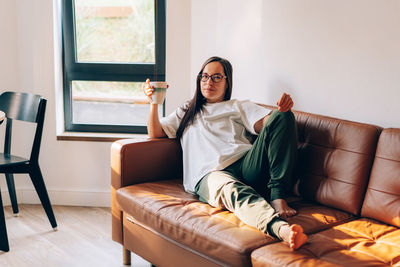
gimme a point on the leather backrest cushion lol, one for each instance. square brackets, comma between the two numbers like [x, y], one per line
[334, 160]
[382, 200]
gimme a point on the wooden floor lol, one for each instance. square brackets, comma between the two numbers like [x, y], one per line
[83, 238]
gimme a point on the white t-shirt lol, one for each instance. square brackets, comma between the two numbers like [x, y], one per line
[218, 137]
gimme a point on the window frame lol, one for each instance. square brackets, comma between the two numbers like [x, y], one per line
[112, 72]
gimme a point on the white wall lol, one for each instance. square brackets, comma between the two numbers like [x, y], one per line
[8, 49]
[338, 58]
[178, 53]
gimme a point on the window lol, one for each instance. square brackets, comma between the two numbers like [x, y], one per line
[110, 47]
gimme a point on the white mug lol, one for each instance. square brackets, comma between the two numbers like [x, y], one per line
[160, 90]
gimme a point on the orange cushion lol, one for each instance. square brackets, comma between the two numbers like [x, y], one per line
[362, 242]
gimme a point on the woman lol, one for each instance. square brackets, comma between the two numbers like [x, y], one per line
[221, 166]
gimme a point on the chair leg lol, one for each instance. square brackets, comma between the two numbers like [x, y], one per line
[12, 193]
[40, 187]
[3, 230]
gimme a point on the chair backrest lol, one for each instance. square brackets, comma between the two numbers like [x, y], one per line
[20, 106]
[24, 107]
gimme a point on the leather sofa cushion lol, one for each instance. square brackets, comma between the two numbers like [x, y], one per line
[361, 242]
[314, 217]
[382, 200]
[335, 159]
[167, 209]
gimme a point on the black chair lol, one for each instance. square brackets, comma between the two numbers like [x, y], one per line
[29, 108]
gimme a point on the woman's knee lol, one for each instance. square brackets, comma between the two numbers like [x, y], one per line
[282, 120]
[287, 116]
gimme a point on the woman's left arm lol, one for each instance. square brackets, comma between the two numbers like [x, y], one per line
[285, 103]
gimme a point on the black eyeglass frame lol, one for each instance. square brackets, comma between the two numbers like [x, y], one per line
[203, 75]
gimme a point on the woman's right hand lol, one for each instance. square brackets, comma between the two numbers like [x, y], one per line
[148, 90]
[154, 127]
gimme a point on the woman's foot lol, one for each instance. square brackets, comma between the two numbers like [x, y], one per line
[293, 235]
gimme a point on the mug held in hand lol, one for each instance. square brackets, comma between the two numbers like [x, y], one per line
[160, 90]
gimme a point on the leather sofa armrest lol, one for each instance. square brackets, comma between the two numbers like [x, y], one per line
[134, 161]
[137, 161]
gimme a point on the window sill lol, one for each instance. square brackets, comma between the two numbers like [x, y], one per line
[97, 137]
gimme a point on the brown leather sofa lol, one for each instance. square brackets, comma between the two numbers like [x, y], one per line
[348, 202]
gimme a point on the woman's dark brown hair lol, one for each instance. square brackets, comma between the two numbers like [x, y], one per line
[196, 103]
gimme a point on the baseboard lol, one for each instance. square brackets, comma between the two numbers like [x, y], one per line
[61, 197]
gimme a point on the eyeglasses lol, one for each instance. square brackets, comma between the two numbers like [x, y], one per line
[215, 77]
